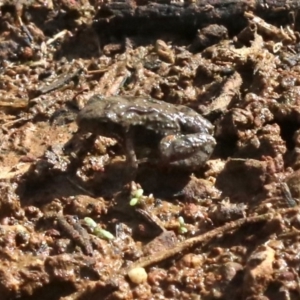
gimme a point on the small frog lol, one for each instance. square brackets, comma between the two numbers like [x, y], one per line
[181, 136]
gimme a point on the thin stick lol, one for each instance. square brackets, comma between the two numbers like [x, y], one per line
[192, 242]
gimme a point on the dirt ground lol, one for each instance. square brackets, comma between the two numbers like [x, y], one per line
[75, 224]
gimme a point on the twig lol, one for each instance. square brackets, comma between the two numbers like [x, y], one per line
[11, 123]
[96, 72]
[62, 33]
[59, 82]
[151, 218]
[230, 89]
[14, 103]
[77, 233]
[192, 242]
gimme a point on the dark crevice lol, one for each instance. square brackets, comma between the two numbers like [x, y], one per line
[287, 131]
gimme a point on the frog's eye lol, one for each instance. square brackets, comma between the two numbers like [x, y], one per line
[186, 109]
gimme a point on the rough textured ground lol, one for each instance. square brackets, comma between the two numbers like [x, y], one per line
[227, 231]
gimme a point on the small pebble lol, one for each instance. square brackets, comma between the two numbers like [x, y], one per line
[138, 275]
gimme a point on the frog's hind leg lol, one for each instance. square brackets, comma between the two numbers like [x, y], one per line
[189, 151]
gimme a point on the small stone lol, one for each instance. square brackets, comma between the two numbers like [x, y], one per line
[138, 275]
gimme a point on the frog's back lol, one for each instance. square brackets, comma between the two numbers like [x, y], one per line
[116, 113]
[151, 114]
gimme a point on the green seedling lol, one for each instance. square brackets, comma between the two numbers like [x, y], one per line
[182, 228]
[97, 230]
[136, 197]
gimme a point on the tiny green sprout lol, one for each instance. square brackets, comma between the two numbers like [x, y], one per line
[182, 228]
[133, 201]
[104, 234]
[181, 220]
[90, 223]
[97, 230]
[139, 193]
[136, 197]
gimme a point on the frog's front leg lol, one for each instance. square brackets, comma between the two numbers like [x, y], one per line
[131, 158]
[187, 151]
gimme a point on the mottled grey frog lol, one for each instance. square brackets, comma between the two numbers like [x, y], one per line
[181, 136]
